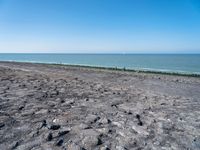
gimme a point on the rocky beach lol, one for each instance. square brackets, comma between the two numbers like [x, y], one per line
[53, 107]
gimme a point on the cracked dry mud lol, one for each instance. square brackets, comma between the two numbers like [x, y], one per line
[50, 107]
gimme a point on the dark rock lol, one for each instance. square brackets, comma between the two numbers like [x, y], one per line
[163, 104]
[62, 101]
[110, 131]
[2, 125]
[114, 105]
[138, 116]
[49, 137]
[15, 145]
[61, 133]
[54, 127]
[44, 123]
[140, 123]
[21, 107]
[130, 113]
[59, 142]
[99, 142]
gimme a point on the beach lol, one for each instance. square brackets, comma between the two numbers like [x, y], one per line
[46, 106]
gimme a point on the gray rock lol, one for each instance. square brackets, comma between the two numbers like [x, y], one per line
[92, 119]
[103, 121]
[91, 142]
[73, 146]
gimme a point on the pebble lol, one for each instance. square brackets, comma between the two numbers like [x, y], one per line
[104, 148]
[140, 123]
[59, 142]
[91, 141]
[138, 116]
[62, 101]
[103, 121]
[44, 123]
[15, 145]
[69, 102]
[49, 137]
[54, 127]
[21, 107]
[92, 119]
[2, 125]
[61, 133]
[120, 148]
[73, 146]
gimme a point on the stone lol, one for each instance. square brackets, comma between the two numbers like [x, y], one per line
[91, 141]
[49, 137]
[120, 148]
[140, 130]
[84, 126]
[69, 102]
[103, 130]
[59, 142]
[44, 124]
[16, 144]
[118, 124]
[138, 116]
[42, 111]
[140, 123]
[92, 118]
[104, 148]
[63, 132]
[103, 121]
[2, 125]
[89, 132]
[62, 101]
[73, 146]
[54, 127]
[21, 107]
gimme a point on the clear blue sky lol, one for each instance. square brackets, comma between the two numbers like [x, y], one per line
[100, 26]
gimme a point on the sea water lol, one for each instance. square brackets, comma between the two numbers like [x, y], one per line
[185, 63]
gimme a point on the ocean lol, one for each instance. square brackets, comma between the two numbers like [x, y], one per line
[181, 63]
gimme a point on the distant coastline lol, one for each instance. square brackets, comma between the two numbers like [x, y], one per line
[187, 74]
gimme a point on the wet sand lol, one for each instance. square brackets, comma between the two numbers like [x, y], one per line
[52, 107]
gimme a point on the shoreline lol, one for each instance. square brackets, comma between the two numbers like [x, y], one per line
[148, 71]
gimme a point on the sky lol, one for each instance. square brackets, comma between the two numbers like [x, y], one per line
[99, 26]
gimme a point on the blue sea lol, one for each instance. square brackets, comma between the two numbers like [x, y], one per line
[182, 63]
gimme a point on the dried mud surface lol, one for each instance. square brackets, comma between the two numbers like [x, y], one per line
[50, 107]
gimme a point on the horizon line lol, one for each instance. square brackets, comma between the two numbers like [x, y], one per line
[91, 53]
